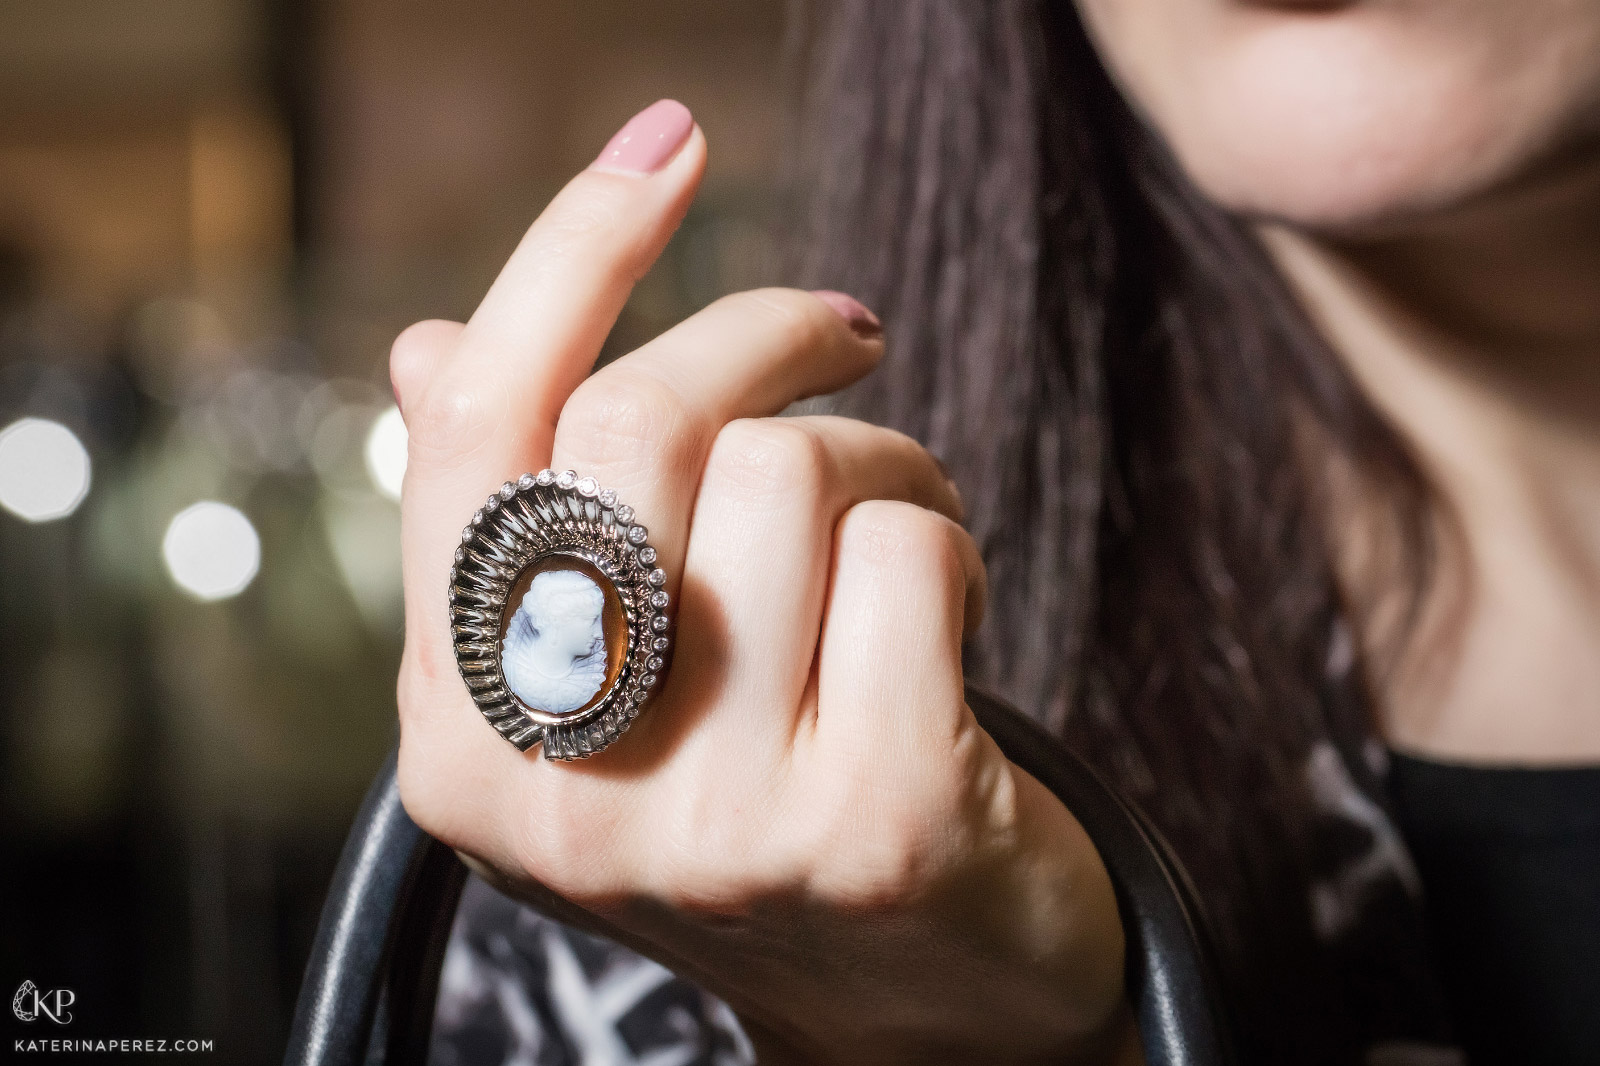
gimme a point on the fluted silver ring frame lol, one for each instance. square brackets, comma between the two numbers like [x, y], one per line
[530, 520]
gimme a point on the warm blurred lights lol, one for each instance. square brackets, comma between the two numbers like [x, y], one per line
[44, 470]
[386, 452]
[211, 550]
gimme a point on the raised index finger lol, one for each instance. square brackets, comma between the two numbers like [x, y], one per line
[541, 324]
[488, 412]
[561, 290]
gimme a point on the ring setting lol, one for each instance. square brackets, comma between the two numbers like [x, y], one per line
[558, 613]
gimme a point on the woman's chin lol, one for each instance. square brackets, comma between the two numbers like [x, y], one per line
[1330, 161]
[1358, 116]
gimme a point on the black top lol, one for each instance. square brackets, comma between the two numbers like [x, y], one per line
[1510, 863]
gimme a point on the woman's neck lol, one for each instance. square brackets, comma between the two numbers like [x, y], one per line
[1478, 338]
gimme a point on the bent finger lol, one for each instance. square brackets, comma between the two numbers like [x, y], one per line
[761, 550]
[645, 424]
[908, 586]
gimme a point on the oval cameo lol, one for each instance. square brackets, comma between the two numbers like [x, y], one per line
[563, 637]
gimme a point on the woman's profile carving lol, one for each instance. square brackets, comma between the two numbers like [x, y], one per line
[554, 653]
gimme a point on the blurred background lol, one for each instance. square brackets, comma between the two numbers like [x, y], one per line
[214, 217]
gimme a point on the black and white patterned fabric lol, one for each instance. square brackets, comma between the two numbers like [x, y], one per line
[521, 990]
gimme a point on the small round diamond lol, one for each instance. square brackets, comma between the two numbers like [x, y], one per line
[477, 518]
[466, 534]
[508, 490]
[659, 598]
[658, 577]
[624, 514]
[648, 680]
[637, 534]
[545, 477]
[647, 555]
[661, 644]
[608, 497]
[493, 505]
[659, 623]
[655, 662]
[461, 555]
[566, 479]
[525, 482]
[588, 486]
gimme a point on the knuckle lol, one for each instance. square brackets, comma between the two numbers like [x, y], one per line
[892, 534]
[622, 417]
[803, 321]
[452, 419]
[586, 209]
[766, 457]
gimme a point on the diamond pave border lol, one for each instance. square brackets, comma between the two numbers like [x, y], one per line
[527, 521]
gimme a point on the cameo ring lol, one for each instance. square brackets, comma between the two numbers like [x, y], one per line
[558, 614]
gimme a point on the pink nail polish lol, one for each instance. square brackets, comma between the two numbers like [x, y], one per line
[862, 322]
[648, 142]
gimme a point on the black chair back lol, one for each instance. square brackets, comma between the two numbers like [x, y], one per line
[369, 988]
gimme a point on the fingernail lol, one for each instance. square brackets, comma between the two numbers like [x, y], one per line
[649, 140]
[863, 323]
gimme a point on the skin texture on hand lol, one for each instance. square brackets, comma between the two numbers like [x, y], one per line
[806, 820]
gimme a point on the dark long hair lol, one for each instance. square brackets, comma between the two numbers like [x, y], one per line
[1123, 388]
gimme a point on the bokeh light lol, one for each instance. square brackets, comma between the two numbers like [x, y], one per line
[386, 452]
[211, 550]
[44, 470]
[210, 310]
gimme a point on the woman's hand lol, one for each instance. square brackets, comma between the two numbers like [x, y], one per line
[806, 820]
